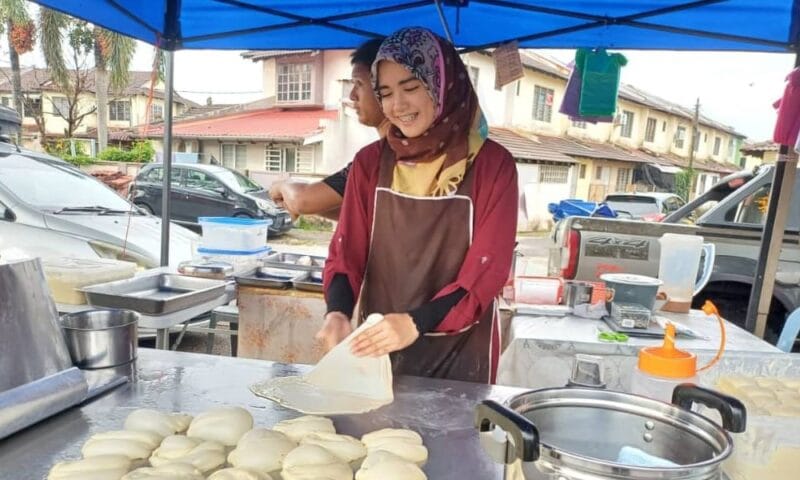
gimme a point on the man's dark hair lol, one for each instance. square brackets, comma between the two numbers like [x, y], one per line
[366, 52]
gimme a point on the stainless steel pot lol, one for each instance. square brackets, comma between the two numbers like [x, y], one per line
[589, 434]
[101, 338]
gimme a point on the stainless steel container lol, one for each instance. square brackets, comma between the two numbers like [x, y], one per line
[577, 293]
[100, 338]
[589, 434]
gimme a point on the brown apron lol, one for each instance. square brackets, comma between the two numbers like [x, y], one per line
[417, 247]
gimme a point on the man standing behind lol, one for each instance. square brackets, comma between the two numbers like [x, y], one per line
[325, 197]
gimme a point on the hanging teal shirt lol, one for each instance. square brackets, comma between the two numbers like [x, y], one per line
[600, 81]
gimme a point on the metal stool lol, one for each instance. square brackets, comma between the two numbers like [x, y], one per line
[225, 313]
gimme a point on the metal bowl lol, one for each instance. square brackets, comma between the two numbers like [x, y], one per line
[100, 338]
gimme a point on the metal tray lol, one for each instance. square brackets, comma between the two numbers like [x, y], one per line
[308, 281]
[289, 260]
[267, 277]
[155, 294]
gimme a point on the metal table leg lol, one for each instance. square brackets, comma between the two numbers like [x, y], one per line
[162, 338]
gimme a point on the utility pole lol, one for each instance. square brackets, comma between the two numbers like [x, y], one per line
[695, 138]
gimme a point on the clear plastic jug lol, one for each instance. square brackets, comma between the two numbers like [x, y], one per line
[678, 267]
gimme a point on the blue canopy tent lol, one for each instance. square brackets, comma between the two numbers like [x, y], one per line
[722, 25]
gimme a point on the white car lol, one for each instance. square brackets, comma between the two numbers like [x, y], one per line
[48, 208]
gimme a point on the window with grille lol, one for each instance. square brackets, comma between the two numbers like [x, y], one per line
[553, 173]
[730, 148]
[542, 103]
[717, 145]
[119, 110]
[627, 124]
[6, 101]
[156, 112]
[294, 82]
[582, 171]
[623, 179]
[578, 124]
[289, 159]
[650, 131]
[234, 156]
[680, 137]
[598, 172]
[60, 106]
[32, 107]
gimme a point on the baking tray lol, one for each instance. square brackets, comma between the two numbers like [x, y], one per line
[308, 281]
[269, 277]
[155, 294]
[290, 260]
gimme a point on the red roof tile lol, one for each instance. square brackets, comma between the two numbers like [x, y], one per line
[267, 124]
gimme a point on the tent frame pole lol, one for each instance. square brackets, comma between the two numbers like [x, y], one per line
[167, 157]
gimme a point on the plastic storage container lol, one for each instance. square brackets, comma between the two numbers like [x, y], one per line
[231, 235]
[65, 275]
[661, 369]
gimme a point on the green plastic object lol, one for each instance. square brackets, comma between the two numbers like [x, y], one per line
[600, 74]
[612, 337]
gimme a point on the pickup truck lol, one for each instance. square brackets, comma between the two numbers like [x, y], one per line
[730, 215]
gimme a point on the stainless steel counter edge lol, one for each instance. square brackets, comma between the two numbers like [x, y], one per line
[440, 410]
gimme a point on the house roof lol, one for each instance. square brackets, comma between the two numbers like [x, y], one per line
[759, 147]
[256, 55]
[525, 148]
[264, 124]
[35, 80]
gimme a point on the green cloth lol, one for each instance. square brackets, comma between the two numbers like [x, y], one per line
[599, 81]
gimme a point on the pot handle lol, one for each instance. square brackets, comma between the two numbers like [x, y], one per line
[732, 411]
[523, 432]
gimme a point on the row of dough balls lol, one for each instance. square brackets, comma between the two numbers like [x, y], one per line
[161, 446]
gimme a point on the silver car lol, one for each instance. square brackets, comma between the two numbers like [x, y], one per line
[48, 208]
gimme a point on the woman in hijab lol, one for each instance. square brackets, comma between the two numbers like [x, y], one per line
[427, 229]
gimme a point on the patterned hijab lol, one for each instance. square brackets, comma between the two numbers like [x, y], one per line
[459, 130]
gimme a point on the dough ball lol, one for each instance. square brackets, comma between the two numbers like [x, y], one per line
[409, 436]
[101, 467]
[133, 449]
[238, 474]
[159, 422]
[225, 425]
[204, 455]
[345, 447]
[382, 465]
[311, 462]
[170, 471]
[297, 428]
[261, 450]
[151, 439]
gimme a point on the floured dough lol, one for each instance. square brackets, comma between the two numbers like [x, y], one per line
[382, 465]
[261, 450]
[297, 428]
[225, 425]
[406, 444]
[311, 462]
[205, 455]
[132, 449]
[347, 448]
[101, 467]
[151, 439]
[161, 423]
[340, 383]
[171, 471]
[238, 474]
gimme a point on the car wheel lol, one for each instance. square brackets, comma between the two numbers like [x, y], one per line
[145, 207]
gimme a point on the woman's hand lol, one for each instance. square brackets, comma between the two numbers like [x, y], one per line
[395, 332]
[335, 329]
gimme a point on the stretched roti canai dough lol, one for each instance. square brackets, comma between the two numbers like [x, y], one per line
[151, 439]
[297, 428]
[347, 448]
[170, 471]
[238, 474]
[340, 383]
[133, 449]
[225, 425]
[204, 455]
[311, 462]
[145, 419]
[101, 467]
[406, 444]
[261, 450]
[382, 465]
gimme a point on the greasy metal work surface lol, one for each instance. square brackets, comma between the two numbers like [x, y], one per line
[155, 294]
[31, 344]
[441, 411]
[308, 281]
[263, 279]
[290, 260]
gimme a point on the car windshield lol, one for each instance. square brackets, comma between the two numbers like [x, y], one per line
[51, 186]
[238, 182]
[635, 206]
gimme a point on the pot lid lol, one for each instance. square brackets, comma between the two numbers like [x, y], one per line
[631, 279]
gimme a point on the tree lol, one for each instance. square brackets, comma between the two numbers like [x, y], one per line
[20, 35]
[112, 52]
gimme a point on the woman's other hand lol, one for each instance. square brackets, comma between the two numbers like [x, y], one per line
[395, 332]
[335, 329]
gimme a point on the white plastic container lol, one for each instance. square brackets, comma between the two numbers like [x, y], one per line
[661, 369]
[231, 235]
[65, 275]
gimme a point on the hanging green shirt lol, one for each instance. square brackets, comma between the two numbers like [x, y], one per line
[600, 81]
